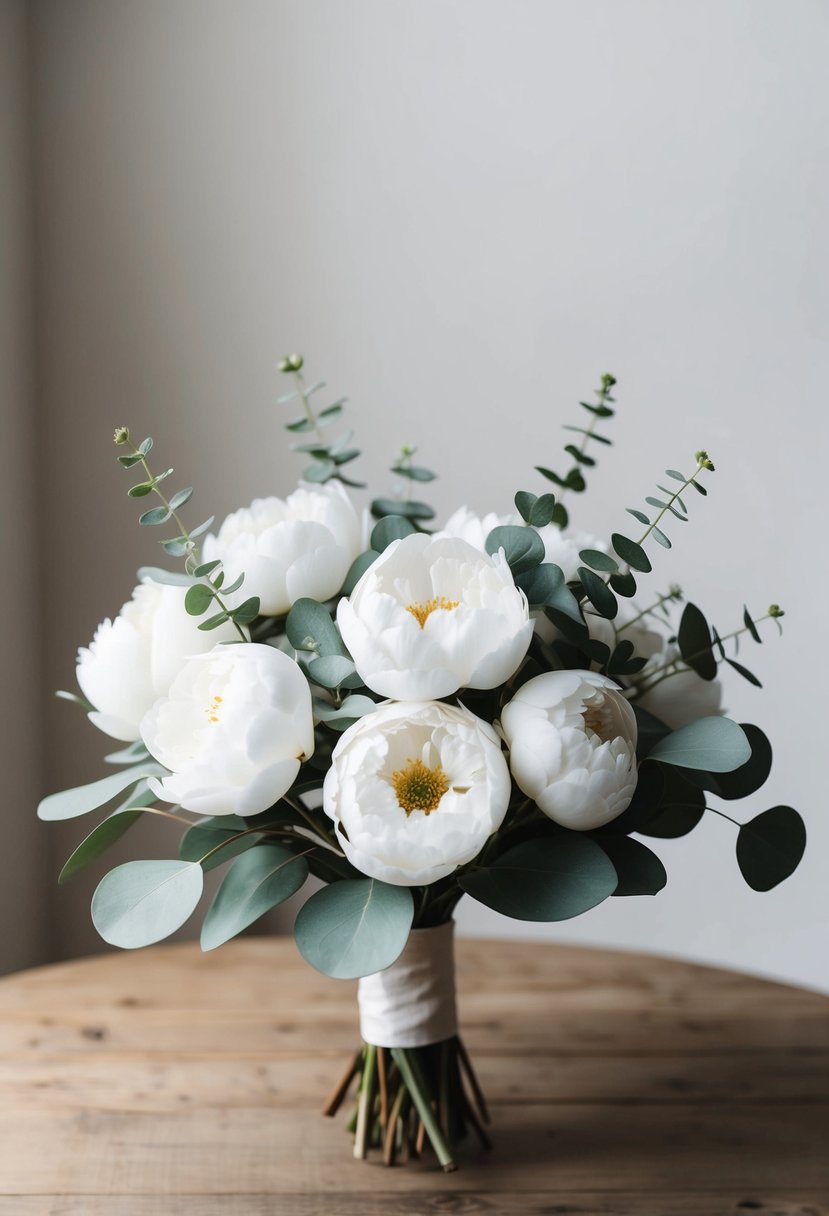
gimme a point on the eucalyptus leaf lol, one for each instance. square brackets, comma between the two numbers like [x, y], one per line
[549, 879]
[639, 870]
[168, 578]
[219, 832]
[330, 670]
[142, 902]
[715, 744]
[259, 880]
[398, 506]
[105, 834]
[544, 587]
[69, 804]
[180, 498]
[155, 515]
[309, 627]
[198, 599]
[524, 502]
[358, 568]
[354, 927]
[389, 529]
[319, 472]
[597, 560]
[770, 846]
[746, 779]
[523, 547]
[598, 592]
[631, 552]
[695, 642]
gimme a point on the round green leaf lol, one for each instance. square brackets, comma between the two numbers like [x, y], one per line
[257, 881]
[198, 599]
[715, 744]
[631, 552]
[523, 547]
[388, 529]
[354, 927]
[399, 506]
[596, 560]
[331, 670]
[639, 870]
[309, 627]
[553, 878]
[598, 592]
[748, 777]
[141, 902]
[770, 846]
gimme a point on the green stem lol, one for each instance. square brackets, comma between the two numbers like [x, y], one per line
[406, 1060]
[318, 830]
[299, 380]
[676, 666]
[194, 549]
[668, 597]
[677, 494]
[602, 394]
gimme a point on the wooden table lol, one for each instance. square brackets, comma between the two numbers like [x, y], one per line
[170, 1082]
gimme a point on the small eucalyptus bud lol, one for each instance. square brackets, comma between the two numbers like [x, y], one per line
[121, 435]
[291, 363]
[675, 591]
[704, 461]
[608, 381]
[775, 611]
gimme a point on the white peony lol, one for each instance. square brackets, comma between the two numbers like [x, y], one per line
[474, 529]
[134, 659]
[233, 730]
[572, 741]
[289, 548]
[432, 615]
[415, 791]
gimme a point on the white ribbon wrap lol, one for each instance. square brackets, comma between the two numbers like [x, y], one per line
[412, 1002]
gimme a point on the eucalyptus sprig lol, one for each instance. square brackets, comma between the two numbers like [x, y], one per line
[702, 648]
[603, 574]
[208, 577]
[574, 480]
[328, 458]
[407, 507]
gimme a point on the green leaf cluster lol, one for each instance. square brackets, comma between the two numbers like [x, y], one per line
[328, 458]
[574, 478]
[412, 511]
[211, 592]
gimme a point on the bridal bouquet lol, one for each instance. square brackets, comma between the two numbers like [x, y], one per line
[409, 716]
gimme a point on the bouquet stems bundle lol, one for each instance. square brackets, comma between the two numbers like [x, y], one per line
[495, 709]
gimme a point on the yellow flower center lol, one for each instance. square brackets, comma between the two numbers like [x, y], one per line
[212, 710]
[422, 612]
[595, 721]
[418, 787]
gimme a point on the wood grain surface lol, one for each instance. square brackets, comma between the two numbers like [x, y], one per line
[168, 1081]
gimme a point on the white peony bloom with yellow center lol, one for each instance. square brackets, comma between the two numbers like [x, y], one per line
[289, 548]
[134, 659]
[233, 730]
[432, 615]
[572, 743]
[415, 790]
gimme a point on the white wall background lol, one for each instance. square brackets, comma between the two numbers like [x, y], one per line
[462, 213]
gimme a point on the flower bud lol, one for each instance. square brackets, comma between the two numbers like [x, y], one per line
[775, 611]
[121, 435]
[704, 461]
[291, 363]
